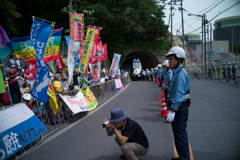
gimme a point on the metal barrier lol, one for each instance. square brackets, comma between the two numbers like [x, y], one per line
[225, 70]
[64, 115]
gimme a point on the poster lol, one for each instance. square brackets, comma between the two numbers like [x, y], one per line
[118, 84]
[91, 100]
[76, 103]
[19, 127]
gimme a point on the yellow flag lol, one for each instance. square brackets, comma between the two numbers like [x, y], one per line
[52, 99]
[88, 44]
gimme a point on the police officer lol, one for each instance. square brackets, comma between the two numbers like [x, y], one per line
[162, 76]
[159, 71]
[224, 71]
[229, 68]
[179, 100]
[218, 72]
[234, 68]
[147, 74]
[167, 78]
[151, 74]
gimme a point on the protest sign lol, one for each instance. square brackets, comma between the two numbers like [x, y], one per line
[19, 127]
[76, 103]
[91, 100]
[118, 84]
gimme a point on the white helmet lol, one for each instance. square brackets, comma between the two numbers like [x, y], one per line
[152, 69]
[178, 51]
[160, 65]
[166, 63]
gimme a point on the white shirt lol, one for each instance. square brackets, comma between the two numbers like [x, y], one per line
[12, 63]
[125, 74]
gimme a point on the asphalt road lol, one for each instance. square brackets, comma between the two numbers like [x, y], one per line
[213, 126]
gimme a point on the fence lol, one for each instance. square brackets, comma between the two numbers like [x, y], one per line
[64, 115]
[228, 70]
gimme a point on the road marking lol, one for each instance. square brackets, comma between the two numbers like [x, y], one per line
[71, 125]
[176, 154]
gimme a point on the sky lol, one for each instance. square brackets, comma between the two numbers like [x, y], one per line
[195, 7]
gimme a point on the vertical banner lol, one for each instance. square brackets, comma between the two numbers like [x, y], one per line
[90, 98]
[40, 32]
[19, 127]
[87, 49]
[52, 98]
[5, 44]
[93, 56]
[59, 63]
[77, 31]
[114, 66]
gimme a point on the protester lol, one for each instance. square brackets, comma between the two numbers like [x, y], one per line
[132, 140]
[178, 100]
[85, 82]
[14, 86]
[121, 73]
[57, 85]
[90, 76]
[27, 82]
[12, 62]
[126, 73]
[76, 74]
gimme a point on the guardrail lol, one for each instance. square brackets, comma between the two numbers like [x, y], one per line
[64, 115]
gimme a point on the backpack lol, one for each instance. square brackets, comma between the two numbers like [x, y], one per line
[5, 98]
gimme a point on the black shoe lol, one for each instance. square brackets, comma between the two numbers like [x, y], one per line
[123, 156]
[167, 122]
[174, 158]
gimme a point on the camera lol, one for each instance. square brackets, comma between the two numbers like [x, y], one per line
[104, 124]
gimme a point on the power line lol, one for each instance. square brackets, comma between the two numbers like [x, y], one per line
[213, 7]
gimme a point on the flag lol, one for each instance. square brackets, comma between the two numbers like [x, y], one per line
[59, 63]
[23, 48]
[19, 127]
[105, 58]
[76, 32]
[93, 56]
[87, 49]
[77, 57]
[5, 44]
[100, 52]
[53, 99]
[2, 86]
[30, 70]
[114, 65]
[40, 32]
[90, 98]
[52, 67]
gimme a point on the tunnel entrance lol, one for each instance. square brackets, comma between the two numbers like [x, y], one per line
[147, 59]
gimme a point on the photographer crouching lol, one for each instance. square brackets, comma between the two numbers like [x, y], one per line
[132, 140]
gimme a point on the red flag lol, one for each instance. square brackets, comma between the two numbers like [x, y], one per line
[59, 63]
[30, 70]
[100, 52]
[92, 58]
[105, 52]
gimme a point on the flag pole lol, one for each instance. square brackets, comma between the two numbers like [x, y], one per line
[42, 19]
[7, 83]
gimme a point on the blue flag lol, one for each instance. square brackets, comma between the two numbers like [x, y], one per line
[5, 44]
[40, 32]
[76, 59]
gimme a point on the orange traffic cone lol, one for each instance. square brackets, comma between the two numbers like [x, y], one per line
[156, 80]
[163, 112]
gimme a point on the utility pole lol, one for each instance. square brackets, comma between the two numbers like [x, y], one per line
[183, 33]
[70, 6]
[211, 41]
[204, 22]
[171, 24]
[202, 45]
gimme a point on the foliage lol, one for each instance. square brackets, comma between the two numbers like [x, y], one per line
[236, 49]
[8, 14]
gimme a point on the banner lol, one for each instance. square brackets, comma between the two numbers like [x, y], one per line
[114, 65]
[77, 57]
[52, 67]
[30, 70]
[72, 51]
[87, 49]
[118, 84]
[40, 32]
[59, 63]
[76, 103]
[77, 31]
[5, 44]
[23, 48]
[53, 99]
[93, 54]
[105, 58]
[19, 127]
[95, 69]
[90, 98]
